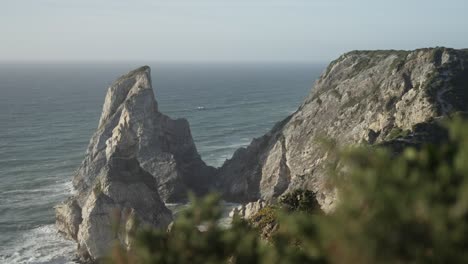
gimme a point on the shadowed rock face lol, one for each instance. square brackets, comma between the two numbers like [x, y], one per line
[136, 159]
[388, 98]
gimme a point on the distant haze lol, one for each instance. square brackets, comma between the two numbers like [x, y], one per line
[221, 30]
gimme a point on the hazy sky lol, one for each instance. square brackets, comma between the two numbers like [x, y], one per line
[223, 30]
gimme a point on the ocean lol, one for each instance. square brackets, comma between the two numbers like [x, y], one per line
[48, 113]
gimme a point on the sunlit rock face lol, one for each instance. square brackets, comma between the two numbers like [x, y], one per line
[137, 159]
[371, 97]
[164, 147]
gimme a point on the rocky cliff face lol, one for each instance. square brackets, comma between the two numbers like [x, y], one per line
[137, 158]
[372, 97]
[164, 147]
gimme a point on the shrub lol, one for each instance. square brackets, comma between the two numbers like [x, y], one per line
[195, 237]
[265, 222]
[300, 200]
[408, 209]
[412, 208]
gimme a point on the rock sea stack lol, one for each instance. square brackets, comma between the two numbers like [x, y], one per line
[137, 159]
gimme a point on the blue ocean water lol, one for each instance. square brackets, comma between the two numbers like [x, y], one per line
[48, 112]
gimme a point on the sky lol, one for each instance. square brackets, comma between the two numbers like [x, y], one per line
[223, 30]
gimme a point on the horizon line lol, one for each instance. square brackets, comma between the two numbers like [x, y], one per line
[143, 62]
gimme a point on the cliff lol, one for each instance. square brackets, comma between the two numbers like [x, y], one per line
[139, 158]
[372, 97]
[136, 159]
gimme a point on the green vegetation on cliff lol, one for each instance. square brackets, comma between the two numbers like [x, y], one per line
[412, 208]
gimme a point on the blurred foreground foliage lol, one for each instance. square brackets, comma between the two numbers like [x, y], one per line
[409, 208]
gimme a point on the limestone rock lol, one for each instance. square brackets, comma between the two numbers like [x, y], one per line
[245, 211]
[163, 147]
[370, 97]
[68, 218]
[124, 199]
[137, 158]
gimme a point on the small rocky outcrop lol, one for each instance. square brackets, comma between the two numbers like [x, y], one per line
[136, 159]
[68, 218]
[371, 97]
[246, 211]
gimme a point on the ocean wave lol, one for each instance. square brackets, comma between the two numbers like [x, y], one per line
[217, 148]
[217, 107]
[57, 186]
[217, 160]
[26, 198]
[44, 139]
[42, 245]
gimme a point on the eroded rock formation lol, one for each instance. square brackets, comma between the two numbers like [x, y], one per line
[139, 158]
[136, 159]
[163, 147]
[364, 96]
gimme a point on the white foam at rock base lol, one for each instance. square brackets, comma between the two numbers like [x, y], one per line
[42, 245]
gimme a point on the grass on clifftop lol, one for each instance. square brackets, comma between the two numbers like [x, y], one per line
[412, 208]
